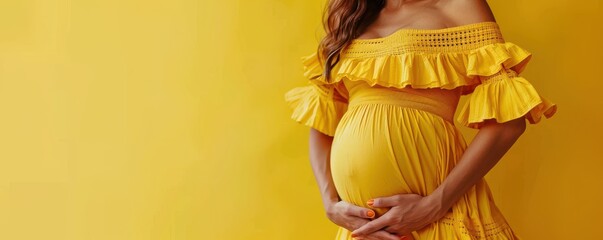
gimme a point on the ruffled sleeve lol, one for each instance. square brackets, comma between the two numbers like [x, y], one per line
[501, 94]
[320, 106]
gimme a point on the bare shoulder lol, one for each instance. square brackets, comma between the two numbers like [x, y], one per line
[462, 12]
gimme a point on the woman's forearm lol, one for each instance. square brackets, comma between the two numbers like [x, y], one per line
[485, 150]
[320, 151]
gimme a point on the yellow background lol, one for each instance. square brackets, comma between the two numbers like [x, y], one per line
[166, 120]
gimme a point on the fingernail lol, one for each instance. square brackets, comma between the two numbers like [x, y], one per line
[403, 238]
[370, 202]
[370, 213]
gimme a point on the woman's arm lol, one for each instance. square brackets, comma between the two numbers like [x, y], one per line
[411, 212]
[320, 150]
[489, 145]
[339, 212]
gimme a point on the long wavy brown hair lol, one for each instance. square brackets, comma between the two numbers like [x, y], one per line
[343, 21]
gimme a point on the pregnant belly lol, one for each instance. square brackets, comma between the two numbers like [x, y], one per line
[383, 149]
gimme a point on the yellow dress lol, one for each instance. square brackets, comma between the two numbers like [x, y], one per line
[390, 140]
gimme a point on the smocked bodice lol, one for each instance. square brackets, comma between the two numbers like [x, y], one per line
[441, 102]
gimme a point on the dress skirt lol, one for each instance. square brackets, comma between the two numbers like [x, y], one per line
[390, 142]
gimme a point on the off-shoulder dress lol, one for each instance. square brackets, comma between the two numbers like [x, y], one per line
[390, 106]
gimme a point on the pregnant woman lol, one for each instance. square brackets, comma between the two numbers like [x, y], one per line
[383, 88]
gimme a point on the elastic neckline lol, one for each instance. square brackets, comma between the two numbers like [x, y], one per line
[419, 30]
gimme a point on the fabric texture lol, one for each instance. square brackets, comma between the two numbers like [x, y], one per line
[389, 106]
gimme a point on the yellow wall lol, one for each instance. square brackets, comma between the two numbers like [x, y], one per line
[548, 185]
[166, 120]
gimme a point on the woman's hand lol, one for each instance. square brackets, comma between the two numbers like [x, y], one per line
[351, 217]
[409, 212]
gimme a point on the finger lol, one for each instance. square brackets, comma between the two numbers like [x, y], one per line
[358, 211]
[395, 200]
[400, 234]
[371, 227]
[383, 235]
[389, 201]
[396, 230]
[379, 235]
[407, 236]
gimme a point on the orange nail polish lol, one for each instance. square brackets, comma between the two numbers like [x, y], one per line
[370, 202]
[371, 214]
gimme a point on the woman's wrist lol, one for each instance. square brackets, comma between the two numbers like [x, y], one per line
[330, 208]
[327, 203]
[437, 203]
